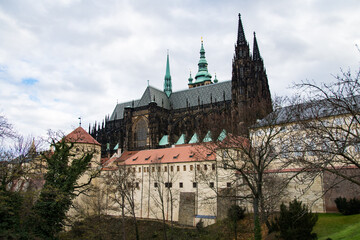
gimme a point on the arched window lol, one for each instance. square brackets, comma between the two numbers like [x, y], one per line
[141, 133]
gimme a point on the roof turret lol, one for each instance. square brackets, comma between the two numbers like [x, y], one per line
[215, 79]
[190, 78]
[167, 82]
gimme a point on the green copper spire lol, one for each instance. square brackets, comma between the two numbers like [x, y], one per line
[203, 74]
[190, 78]
[167, 82]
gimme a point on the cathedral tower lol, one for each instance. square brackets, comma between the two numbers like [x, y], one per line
[167, 82]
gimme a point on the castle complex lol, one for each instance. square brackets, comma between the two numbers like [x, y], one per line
[161, 118]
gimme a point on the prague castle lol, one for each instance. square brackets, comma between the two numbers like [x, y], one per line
[160, 118]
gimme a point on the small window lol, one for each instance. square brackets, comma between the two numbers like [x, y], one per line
[194, 184]
[198, 167]
[184, 167]
[139, 169]
[155, 184]
[178, 168]
[211, 184]
[172, 168]
[168, 184]
[144, 169]
[147, 158]
[159, 169]
[159, 158]
[228, 184]
[134, 159]
[176, 156]
[153, 169]
[181, 185]
[192, 155]
[137, 185]
[147, 169]
[191, 167]
[213, 166]
[134, 169]
[205, 167]
[77, 149]
[165, 169]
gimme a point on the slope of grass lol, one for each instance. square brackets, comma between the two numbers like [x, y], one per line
[338, 227]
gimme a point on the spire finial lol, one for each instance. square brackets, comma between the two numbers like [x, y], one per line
[79, 121]
[167, 82]
[256, 52]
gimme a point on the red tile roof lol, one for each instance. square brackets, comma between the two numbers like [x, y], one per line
[187, 153]
[79, 135]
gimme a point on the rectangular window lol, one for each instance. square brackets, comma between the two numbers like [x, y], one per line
[194, 184]
[228, 184]
[165, 169]
[184, 167]
[153, 169]
[213, 166]
[191, 167]
[147, 169]
[159, 169]
[137, 185]
[212, 184]
[139, 169]
[155, 185]
[181, 185]
[172, 168]
[168, 184]
[205, 167]
[198, 167]
[134, 170]
[178, 168]
[144, 169]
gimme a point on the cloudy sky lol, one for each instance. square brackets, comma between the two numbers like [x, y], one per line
[62, 59]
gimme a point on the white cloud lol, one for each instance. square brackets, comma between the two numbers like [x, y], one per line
[87, 55]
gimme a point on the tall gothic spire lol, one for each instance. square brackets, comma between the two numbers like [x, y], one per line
[167, 82]
[241, 35]
[256, 52]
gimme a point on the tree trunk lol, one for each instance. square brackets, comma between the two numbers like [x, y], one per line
[257, 226]
[123, 216]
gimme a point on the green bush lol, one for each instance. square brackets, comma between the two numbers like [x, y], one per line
[294, 222]
[348, 207]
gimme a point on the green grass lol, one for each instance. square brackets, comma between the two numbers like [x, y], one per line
[338, 227]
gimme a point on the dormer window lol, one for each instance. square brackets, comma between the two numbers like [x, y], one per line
[176, 156]
[191, 155]
[159, 158]
[147, 158]
[134, 159]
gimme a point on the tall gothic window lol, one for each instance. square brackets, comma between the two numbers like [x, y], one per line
[141, 133]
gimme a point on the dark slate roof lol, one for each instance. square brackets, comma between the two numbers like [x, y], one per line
[311, 110]
[193, 96]
[152, 94]
[202, 94]
[118, 112]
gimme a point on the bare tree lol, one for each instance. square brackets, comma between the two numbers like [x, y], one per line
[330, 123]
[124, 186]
[255, 161]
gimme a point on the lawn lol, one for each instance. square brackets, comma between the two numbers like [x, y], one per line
[337, 226]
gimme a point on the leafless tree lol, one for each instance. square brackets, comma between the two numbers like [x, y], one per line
[254, 162]
[124, 186]
[330, 124]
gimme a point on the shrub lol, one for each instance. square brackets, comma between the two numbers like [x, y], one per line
[294, 222]
[235, 213]
[348, 207]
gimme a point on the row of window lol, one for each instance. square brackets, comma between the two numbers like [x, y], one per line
[181, 184]
[171, 168]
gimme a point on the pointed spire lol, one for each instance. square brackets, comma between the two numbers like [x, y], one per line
[167, 83]
[256, 52]
[203, 74]
[241, 35]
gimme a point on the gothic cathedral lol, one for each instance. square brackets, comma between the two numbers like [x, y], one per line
[201, 113]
